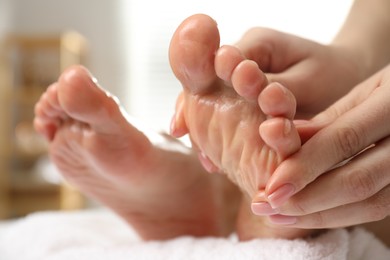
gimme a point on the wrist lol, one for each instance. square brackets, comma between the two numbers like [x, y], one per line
[366, 35]
[353, 65]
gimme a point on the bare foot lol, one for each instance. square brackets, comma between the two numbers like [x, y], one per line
[152, 181]
[219, 108]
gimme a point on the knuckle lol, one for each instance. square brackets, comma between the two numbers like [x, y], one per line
[379, 206]
[381, 214]
[258, 32]
[318, 220]
[252, 30]
[298, 207]
[360, 184]
[377, 212]
[348, 141]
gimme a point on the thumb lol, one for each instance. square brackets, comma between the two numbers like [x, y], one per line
[307, 128]
[272, 50]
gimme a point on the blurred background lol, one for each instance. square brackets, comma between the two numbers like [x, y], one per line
[124, 43]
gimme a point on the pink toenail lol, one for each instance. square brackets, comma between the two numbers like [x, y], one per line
[263, 209]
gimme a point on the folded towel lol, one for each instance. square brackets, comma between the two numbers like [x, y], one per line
[97, 234]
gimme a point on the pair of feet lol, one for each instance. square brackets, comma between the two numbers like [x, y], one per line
[152, 181]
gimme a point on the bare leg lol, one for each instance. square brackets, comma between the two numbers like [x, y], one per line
[219, 108]
[152, 181]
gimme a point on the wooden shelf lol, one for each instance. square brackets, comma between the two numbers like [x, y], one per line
[28, 65]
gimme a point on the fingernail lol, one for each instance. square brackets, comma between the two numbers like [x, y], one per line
[263, 209]
[281, 195]
[283, 220]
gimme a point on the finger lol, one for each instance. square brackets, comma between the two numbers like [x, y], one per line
[301, 74]
[352, 131]
[356, 96]
[375, 208]
[292, 61]
[273, 51]
[307, 128]
[356, 181]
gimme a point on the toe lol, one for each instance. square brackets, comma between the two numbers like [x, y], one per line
[226, 60]
[192, 53]
[47, 129]
[48, 115]
[82, 99]
[48, 107]
[278, 132]
[248, 80]
[281, 135]
[276, 100]
[178, 126]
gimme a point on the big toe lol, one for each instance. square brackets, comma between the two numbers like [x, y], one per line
[192, 53]
[83, 100]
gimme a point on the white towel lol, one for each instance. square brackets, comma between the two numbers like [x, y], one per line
[100, 234]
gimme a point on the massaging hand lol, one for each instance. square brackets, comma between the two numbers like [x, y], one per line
[357, 192]
[318, 75]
